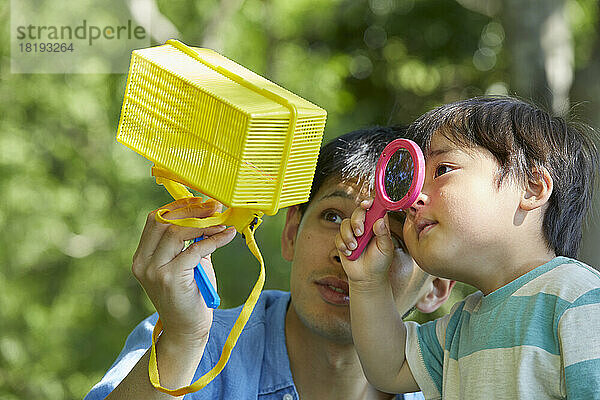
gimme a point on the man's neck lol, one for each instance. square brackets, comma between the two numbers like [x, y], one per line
[322, 368]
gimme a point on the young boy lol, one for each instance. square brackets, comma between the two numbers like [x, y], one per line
[506, 191]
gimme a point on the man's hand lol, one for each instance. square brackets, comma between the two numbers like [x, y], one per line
[167, 273]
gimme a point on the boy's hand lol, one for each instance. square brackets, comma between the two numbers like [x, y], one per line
[374, 262]
[167, 273]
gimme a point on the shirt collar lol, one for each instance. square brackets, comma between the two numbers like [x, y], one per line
[500, 295]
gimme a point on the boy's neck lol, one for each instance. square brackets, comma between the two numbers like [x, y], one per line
[511, 267]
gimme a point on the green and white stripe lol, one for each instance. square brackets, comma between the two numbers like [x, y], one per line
[538, 337]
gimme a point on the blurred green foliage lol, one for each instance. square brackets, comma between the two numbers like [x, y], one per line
[73, 201]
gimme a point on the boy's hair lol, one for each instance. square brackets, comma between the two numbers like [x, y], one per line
[353, 155]
[524, 138]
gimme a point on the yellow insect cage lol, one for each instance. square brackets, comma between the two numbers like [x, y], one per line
[214, 126]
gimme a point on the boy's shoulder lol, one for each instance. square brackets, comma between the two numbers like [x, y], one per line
[563, 277]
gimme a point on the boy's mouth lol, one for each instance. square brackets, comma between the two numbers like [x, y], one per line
[423, 225]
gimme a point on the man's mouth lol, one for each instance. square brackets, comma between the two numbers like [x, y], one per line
[339, 290]
[333, 290]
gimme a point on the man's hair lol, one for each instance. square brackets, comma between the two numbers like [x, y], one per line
[353, 155]
[523, 138]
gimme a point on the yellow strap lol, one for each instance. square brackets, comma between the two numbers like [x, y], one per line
[215, 219]
[238, 217]
[231, 339]
[245, 221]
[241, 218]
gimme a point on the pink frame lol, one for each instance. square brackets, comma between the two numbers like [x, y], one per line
[382, 203]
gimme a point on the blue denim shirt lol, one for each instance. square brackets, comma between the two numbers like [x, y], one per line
[258, 368]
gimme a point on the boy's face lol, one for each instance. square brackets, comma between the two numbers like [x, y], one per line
[462, 220]
[318, 283]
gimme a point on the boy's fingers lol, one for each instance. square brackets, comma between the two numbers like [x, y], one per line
[341, 246]
[383, 238]
[347, 234]
[366, 203]
[357, 221]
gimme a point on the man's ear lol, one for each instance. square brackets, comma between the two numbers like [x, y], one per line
[436, 296]
[290, 230]
[538, 190]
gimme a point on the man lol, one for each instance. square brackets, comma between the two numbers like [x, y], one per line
[295, 345]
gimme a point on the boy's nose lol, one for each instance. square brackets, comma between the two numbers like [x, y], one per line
[419, 203]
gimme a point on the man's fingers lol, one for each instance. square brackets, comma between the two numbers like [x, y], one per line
[192, 255]
[182, 208]
[208, 268]
[211, 243]
[173, 240]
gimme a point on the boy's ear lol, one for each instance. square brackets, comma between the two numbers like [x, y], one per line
[538, 190]
[436, 296]
[290, 230]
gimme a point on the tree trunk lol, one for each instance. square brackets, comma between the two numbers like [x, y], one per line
[586, 97]
[539, 44]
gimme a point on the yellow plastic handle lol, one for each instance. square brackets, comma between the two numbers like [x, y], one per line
[170, 181]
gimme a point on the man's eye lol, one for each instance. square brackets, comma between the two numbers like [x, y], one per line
[332, 216]
[442, 169]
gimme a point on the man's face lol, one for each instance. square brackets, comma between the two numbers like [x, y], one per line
[319, 286]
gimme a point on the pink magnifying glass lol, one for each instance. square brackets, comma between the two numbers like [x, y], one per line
[399, 179]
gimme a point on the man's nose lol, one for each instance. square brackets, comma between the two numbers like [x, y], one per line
[334, 256]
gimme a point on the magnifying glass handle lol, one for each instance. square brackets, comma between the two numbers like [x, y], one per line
[376, 211]
[209, 294]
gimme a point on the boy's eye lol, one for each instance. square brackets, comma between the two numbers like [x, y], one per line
[332, 216]
[442, 169]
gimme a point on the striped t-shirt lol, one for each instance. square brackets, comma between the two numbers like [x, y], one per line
[538, 337]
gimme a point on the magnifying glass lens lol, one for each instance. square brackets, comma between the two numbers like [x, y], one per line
[398, 174]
